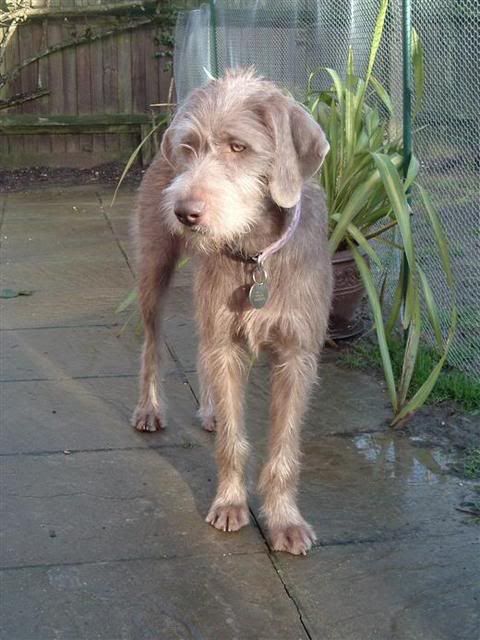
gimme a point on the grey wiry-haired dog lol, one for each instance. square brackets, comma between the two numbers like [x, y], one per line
[232, 168]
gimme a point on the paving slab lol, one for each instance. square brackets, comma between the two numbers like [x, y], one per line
[19, 211]
[121, 228]
[85, 414]
[65, 293]
[422, 589]
[73, 240]
[61, 194]
[112, 505]
[122, 208]
[343, 402]
[196, 598]
[56, 353]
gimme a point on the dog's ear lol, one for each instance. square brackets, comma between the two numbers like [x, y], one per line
[166, 146]
[168, 139]
[300, 148]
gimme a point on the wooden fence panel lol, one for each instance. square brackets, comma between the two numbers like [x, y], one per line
[56, 77]
[117, 74]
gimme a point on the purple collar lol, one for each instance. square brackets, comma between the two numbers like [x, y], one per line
[259, 258]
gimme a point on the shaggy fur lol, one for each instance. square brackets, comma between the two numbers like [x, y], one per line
[234, 161]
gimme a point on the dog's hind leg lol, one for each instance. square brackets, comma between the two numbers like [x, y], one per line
[225, 369]
[294, 372]
[156, 265]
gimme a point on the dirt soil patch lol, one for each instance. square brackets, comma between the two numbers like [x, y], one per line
[34, 177]
[445, 427]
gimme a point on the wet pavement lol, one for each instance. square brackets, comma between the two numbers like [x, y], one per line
[102, 530]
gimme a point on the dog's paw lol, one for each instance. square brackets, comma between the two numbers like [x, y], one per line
[146, 419]
[293, 538]
[229, 517]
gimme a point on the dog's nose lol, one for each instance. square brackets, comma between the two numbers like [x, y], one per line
[189, 211]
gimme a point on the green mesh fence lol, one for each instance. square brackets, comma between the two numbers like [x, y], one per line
[286, 39]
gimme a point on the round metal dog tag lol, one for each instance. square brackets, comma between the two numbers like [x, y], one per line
[258, 295]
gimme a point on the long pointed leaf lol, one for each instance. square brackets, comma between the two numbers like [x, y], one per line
[376, 233]
[409, 304]
[349, 108]
[127, 301]
[396, 194]
[412, 172]
[352, 174]
[355, 204]
[377, 37]
[382, 94]
[339, 85]
[439, 235]
[425, 390]
[134, 155]
[359, 238]
[396, 306]
[432, 310]
[418, 63]
[411, 347]
[377, 315]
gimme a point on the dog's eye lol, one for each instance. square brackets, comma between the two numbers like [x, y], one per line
[187, 149]
[236, 147]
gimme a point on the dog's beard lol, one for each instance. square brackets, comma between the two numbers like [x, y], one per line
[202, 240]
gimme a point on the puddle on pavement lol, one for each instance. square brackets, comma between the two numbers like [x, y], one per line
[398, 457]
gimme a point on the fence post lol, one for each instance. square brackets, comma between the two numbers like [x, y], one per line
[407, 113]
[407, 81]
[213, 37]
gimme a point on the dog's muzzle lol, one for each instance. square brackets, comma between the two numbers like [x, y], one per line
[189, 212]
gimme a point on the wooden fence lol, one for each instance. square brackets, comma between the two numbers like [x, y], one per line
[105, 67]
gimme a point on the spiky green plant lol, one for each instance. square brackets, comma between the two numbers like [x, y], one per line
[367, 189]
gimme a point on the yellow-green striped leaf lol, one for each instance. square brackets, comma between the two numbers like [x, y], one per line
[360, 240]
[377, 38]
[382, 94]
[439, 235]
[418, 63]
[134, 155]
[130, 299]
[377, 315]
[425, 390]
[411, 348]
[432, 310]
[394, 188]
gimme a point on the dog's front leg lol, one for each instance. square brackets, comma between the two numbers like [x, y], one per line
[293, 374]
[206, 412]
[224, 368]
[156, 264]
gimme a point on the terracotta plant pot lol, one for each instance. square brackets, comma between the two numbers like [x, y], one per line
[348, 291]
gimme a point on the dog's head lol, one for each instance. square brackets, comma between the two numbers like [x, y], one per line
[235, 145]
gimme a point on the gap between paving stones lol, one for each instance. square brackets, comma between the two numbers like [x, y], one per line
[111, 227]
[152, 558]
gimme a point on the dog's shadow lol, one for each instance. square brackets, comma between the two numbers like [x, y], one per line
[190, 450]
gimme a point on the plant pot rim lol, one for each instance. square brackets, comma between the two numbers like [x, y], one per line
[344, 255]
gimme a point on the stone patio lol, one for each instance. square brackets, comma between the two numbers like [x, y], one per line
[103, 533]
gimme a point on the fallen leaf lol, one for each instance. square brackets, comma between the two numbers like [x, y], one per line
[14, 293]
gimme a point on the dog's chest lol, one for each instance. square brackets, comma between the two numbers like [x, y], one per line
[224, 306]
